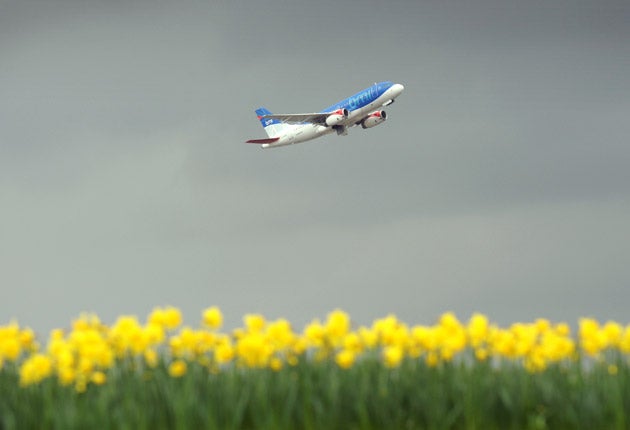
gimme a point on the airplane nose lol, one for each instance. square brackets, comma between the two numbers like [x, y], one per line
[398, 88]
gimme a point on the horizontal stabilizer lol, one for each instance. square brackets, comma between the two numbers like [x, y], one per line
[270, 140]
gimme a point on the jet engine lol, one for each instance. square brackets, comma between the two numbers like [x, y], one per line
[374, 119]
[336, 117]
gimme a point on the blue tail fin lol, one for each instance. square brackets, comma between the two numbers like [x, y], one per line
[260, 112]
[273, 127]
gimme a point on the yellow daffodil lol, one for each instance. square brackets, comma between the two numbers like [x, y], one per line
[345, 358]
[177, 368]
[212, 318]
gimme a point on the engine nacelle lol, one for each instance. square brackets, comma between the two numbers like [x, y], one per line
[374, 119]
[336, 117]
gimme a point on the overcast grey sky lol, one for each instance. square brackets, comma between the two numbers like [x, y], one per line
[499, 184]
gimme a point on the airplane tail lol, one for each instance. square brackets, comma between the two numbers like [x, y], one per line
[273, 127]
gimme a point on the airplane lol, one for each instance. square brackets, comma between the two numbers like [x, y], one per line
[362, 109]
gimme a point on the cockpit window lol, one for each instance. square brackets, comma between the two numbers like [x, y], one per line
[383, 86]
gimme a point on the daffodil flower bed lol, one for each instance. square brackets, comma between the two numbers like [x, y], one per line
[331, 375]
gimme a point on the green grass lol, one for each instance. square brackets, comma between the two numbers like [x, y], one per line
[464, 394]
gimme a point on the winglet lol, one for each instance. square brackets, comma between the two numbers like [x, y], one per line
[270, 140]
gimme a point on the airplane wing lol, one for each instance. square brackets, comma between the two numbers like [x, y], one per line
[300, 118]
